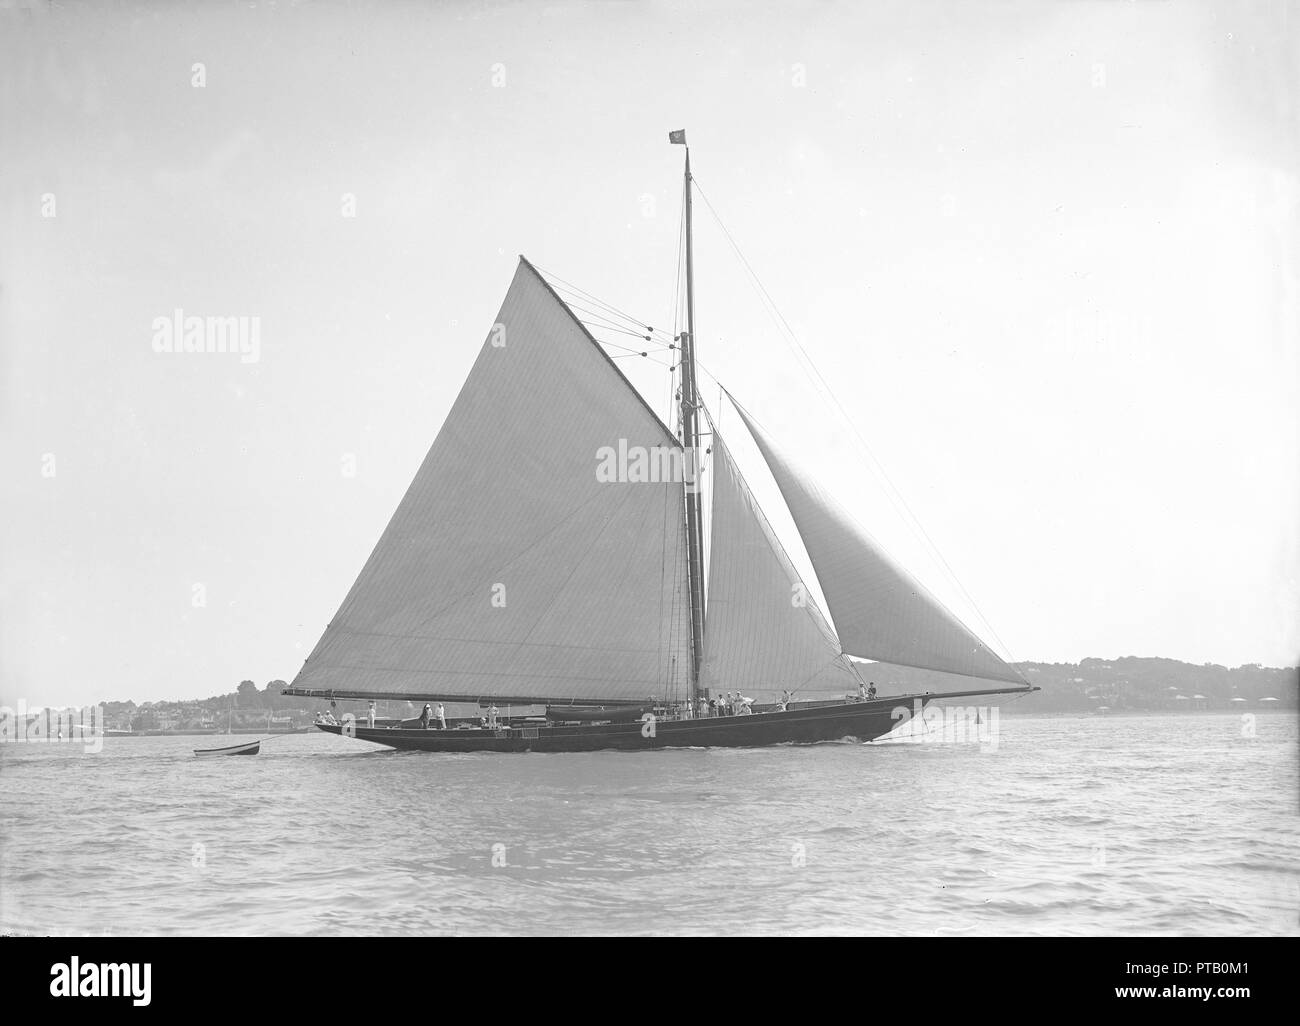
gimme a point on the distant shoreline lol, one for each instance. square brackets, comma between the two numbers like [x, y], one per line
[207, 733]
[1008, 709]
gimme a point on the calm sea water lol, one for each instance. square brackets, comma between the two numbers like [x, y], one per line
[1129, 824]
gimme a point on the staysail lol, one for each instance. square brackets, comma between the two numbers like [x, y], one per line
[879, 610]
[538, 555]
[764, 632]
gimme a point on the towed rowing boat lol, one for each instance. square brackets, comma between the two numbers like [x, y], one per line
[247, 748]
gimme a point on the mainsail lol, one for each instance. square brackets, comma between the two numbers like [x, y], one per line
[879, 610]
[511, 570]
[763, 632]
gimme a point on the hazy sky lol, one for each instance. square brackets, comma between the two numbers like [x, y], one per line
[1045, 254]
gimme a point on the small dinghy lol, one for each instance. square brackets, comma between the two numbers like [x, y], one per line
[248, 748]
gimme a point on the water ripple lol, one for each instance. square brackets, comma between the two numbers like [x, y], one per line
[1126, 825]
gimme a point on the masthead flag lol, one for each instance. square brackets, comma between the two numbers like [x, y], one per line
[678, 137]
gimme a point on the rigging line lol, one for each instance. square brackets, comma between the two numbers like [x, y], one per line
[815, 674]
[658, 351]
[892, 490]
[848, 661]
[677, 281]
[588, 297]
[663, 342]
[618, 345]
[604, 318]
[681, 241]
[649, 347]
[893, 493]
[670, 402]
[663, 550]
[663, 349]
[628, 356]
[657, 337]
[681, 312]
[672, 512]
[637, 329]
[621, 331]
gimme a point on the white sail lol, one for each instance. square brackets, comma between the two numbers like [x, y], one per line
[763, 632]
[511, 570]
[879, 610]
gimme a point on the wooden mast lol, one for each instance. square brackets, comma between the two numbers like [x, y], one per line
[691, 441]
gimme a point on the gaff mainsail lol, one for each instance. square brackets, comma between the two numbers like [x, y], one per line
[509, 570]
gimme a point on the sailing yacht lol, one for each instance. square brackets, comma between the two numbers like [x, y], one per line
[520, 570]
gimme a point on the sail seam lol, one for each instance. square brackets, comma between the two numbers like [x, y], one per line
[627, 494]
[495, 571]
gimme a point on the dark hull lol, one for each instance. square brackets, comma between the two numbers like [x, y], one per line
[248, 748]
[862, 721]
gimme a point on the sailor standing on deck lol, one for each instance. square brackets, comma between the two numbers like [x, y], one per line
[424, 717]
[492, 716]
[442, 716]
[370, 715]
[862, 692]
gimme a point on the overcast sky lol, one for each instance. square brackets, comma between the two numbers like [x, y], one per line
[1045, 254]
